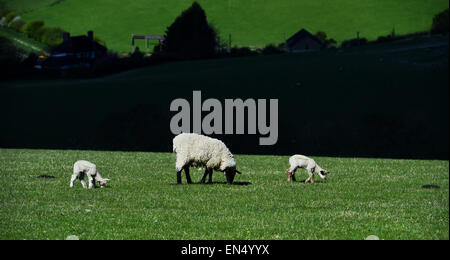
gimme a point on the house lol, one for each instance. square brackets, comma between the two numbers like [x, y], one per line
[75, 51]
[303, 41]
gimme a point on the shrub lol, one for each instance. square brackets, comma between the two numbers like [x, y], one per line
[271, 49]
[39, 33]
[9, 17]
[190, 36]
[241, 51]
[327, 42]
[137, 57]
[52, 36]
[108, 64]
[3, 10]
[99, 40]
[354, 42]
[282, 46]
[18, 25]
[32, 29]
[440, 23]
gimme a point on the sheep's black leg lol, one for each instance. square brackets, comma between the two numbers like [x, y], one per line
[210, 175]
[179, 177]
[188, 176]
[204, 176]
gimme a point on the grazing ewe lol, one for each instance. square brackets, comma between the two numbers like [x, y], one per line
[197, 150]
[301, 161]
[82, 168]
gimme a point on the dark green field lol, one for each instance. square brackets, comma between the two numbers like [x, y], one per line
[362, 197]
[385, 100]
[254, 23]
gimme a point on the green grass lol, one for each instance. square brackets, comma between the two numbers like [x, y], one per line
[252, 22]
[22, 42]
[362, 197]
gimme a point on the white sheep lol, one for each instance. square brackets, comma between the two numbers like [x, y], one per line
[201, 151]
[82, 168]
[301, 161]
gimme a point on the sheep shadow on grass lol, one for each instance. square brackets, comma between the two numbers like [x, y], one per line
[303, 181]
[237, 183]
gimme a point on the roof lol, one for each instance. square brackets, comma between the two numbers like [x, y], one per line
[301, 35]
[78, 44]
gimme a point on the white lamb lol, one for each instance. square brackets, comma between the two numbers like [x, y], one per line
[82, 168]
[197, 150]
[301, 161]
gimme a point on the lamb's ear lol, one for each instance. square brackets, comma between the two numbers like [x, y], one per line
[106, 179]
[238, 172]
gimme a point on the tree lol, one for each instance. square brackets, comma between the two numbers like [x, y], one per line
[32, 29]
[190, 36]
[322, 36]
[440, 23]
[52, 36]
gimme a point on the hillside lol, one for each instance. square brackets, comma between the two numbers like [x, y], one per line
[24, 43]
[251, 23]
[383, 100]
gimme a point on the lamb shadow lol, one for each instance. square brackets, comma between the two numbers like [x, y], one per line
[46, 177]
[303, 181]
[237, 183]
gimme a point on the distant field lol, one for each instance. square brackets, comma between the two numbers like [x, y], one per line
[252, 23]
[362, 197]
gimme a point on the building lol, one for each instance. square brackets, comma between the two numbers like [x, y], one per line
[303, 41]
[75, 51]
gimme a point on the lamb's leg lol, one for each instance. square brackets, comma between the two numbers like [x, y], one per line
[210, 176]
[290, 174]
[83, 182]
[91, 181]
[72, 180]
[188, 176]
[204, 176]
[90, 174]
[309, 178]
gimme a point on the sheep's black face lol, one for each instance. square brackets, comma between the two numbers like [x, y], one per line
[230, 174]
[324, 173]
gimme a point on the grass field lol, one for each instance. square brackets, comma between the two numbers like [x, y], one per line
[362, 197]
[23, 42]
[252, 23]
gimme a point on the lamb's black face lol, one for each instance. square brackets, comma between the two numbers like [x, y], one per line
[324, 174]
[230, 174]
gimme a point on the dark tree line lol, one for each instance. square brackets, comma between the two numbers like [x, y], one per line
[190, 36]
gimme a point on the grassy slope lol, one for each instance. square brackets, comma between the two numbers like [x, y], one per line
[363, 197]
[250, 22]
[23, 42]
